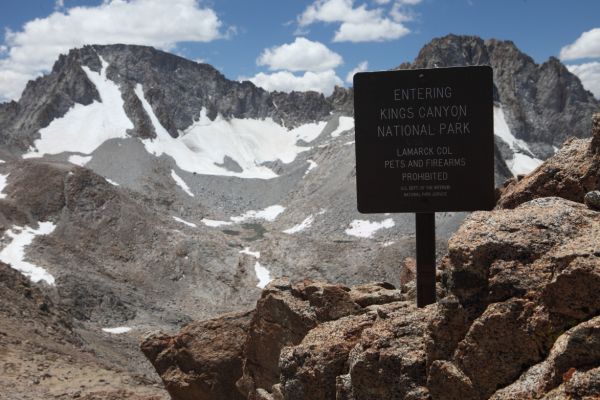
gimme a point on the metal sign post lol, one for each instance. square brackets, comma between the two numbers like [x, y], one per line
[425, 229]
[424, 143]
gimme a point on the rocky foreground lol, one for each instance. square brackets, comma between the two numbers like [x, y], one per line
[518, 315]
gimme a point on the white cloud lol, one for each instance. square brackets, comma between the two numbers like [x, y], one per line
[589, 73]
[400, 11]
[370, 31]
[586, 46]
[357, 24]
[335, 11]
[361, 67]
[301, 55]
[408, 2]
[285, 81]
[158, 23]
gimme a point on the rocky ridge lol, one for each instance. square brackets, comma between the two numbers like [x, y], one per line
[176, 88]
[543, 103]
[518, 317]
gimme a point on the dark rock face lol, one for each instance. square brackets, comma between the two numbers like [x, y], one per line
[544, 104]
[45, 99]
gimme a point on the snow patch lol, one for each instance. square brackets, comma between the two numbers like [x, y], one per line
[344, 124]
[14, 252]
[181, 183]
[268, 214]
[2, 161]
[301, 226]
[213, 223]
[263, 275]
[84, 128]
[255, 254]
[117, 330]
[203, 146]
[366, 229]
[3, 183]
[184, 222]
[522, 164]
[311, 165]
[523, 161]
[79, 160]
[111, 182]
[387, 244]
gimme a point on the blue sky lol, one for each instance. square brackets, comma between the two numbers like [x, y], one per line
[293, 44]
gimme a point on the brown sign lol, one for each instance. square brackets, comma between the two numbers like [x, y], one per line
[424, 140]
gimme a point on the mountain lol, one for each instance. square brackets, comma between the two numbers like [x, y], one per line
[176, 88]
[142, 190]
[537, 105]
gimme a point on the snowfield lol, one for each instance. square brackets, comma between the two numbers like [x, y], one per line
[14, 252]
[268, 214]
[190, 224]
[84, 128]
[301, 226]
[79, 160]
[204, 146]
[3, 182]
[311, 165]
[366, 229]
[344, 124]
[262, 274]
[117, 330]
[214, 223]
[523, 161]
[181, 183]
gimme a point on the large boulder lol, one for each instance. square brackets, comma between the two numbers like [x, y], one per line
[203, 361]
[524, 276]
[285, 313]
[575, 351]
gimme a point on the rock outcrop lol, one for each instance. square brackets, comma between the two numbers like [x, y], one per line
[518, 315]
[571, 173]
[204, 361]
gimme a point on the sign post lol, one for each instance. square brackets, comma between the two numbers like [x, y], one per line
[424, 143]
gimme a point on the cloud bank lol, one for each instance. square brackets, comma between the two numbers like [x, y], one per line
[314, 59]
[587, 46]
[589, 74]
[360, 24]
[301, 55]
